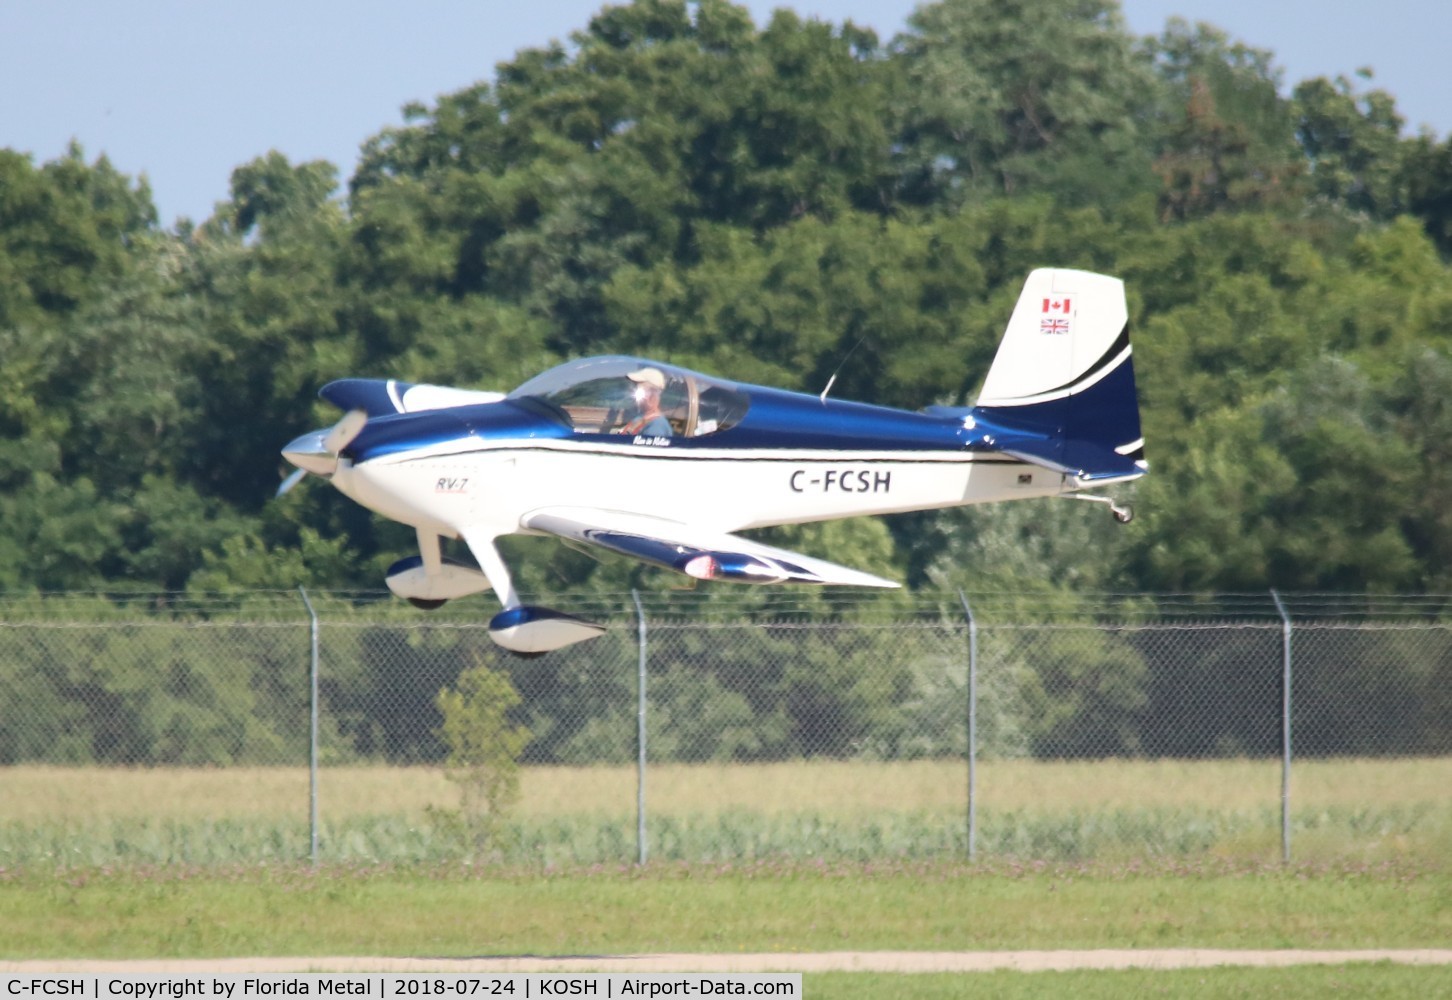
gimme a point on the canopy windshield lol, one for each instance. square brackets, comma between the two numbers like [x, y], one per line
[607, 396]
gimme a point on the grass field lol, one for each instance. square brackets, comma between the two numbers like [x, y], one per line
[1358, 810]
[780, 907]
[104, 863]
[1364, 982]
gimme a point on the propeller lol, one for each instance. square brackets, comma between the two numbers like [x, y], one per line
[290, 482]
[317, 451]
[344, 431]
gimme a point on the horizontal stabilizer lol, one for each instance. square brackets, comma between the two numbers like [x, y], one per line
[705, 555]
[384, 397]
[1082, 460]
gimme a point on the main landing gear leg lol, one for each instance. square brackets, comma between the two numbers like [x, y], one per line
[523, 629]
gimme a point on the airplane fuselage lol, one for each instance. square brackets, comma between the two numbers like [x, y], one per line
[490, 465]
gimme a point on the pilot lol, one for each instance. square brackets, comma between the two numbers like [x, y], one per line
[649, 384]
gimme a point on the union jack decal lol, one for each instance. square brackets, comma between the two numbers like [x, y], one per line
[1053, 326]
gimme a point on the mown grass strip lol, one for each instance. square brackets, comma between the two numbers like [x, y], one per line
[780, 907]
[1363, 981]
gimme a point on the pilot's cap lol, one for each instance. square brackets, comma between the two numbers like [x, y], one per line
[648, 376]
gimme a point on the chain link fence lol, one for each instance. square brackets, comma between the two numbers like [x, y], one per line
[154, 729]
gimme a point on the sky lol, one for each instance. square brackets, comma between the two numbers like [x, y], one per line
[185, 91]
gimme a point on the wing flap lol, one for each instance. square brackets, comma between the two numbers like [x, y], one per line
[703, 554]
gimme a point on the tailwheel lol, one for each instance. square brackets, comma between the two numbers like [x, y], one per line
[1123, 512]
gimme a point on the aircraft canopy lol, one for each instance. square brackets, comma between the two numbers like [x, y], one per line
[598, 395]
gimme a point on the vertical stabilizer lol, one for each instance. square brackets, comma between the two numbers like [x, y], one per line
[1061, 331]
[1064, 378]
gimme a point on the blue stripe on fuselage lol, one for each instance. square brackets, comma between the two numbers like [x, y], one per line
[781, 419]
[504, 420]
[776, 419]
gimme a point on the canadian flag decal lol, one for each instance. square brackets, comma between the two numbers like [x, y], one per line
[1060, 306]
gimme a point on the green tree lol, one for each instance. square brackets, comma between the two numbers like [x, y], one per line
[1340, 524]
[1012, 98]
[1352, 145]
[65, 230]
[1418, 402]
[484, 748]
[538, 189]
[1227, 139]
[1427, 164]
[1084, 691]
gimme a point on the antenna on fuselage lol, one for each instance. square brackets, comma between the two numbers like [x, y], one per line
[830, 381]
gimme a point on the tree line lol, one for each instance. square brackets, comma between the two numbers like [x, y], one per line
[757, 201]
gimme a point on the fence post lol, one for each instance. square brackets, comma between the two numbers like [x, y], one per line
[312, 732]
[1285, 728]
[972, 727]
[640, 631]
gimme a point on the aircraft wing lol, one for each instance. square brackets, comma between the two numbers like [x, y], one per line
[703, 554]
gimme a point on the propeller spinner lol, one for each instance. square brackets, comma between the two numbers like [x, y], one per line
[317, 451]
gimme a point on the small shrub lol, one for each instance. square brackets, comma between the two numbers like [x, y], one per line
[484, 746]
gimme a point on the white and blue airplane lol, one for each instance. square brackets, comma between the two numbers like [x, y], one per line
[664, 465]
